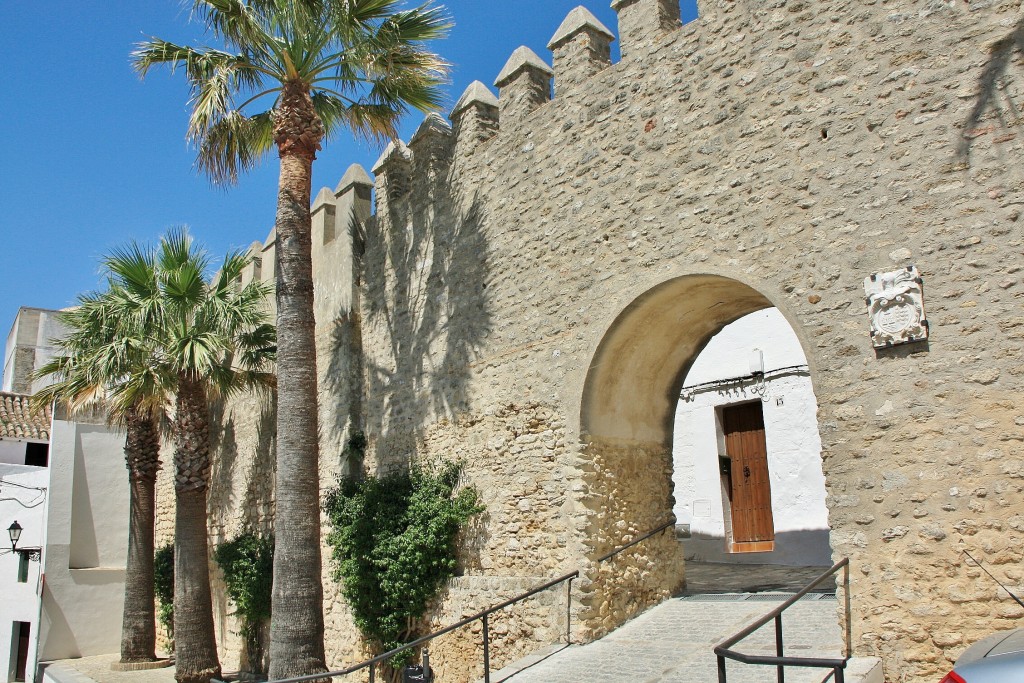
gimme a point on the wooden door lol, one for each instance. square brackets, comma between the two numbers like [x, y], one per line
[751, 498]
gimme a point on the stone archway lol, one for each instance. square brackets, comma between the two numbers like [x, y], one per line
[626, 425]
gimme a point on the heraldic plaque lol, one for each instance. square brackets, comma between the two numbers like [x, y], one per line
[896, 307]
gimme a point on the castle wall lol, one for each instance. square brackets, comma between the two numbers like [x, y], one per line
[529, 302]
[796, 148]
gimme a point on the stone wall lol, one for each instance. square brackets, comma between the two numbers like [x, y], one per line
[536, 281]
[29, 347]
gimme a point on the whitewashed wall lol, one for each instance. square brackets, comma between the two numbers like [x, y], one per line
[791, 433]
[86, 543]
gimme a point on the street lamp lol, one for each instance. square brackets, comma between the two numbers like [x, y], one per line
[14, 531]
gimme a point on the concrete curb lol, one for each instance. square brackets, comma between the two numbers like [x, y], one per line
[59, 673]
[864, 670]
[140, 666]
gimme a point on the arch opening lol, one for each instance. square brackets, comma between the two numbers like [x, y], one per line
[627, 421]
[748, 482]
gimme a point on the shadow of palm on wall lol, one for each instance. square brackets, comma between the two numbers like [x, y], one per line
[424, 278]
[995, 97]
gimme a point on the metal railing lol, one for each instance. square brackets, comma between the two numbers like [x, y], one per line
[723, 650]
[484, 618]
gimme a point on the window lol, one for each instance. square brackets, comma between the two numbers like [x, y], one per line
[22, 567]
[37, 454]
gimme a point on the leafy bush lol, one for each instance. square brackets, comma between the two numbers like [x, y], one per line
[163, 584]
[248, 565]
[393, 545]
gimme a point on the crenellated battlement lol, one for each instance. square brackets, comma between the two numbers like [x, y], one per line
[581, 48]
[474, 117]
[523, 85]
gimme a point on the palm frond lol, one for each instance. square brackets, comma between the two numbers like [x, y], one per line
[235, 144]
[363, 61]
[132, 267]
[154, 52]
[199, 64]
[375, 122]
[214, 93]
[426, 22]
[177, 250]
[241, 25]
[349, 18]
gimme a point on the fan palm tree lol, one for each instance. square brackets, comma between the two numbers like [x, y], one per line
[99, 365]
[201, 341]
[324, 66]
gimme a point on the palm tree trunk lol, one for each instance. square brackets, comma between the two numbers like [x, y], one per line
[297, 622]
[194, 638]
[141, 452]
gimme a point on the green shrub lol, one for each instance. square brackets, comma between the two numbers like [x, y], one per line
[163, 584]
[248, 565]
[393, 544]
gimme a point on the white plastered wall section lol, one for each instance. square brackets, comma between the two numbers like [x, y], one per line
[49, 328]
[791, 434]
[86, 543]
[22, 499]
[9, 349]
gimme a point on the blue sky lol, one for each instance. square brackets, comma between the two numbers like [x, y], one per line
[93, 157]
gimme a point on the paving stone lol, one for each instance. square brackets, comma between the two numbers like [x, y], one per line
[674, 642]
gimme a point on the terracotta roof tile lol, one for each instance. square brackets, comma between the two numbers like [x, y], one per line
[17, 421]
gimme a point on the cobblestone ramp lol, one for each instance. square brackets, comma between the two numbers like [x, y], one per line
[672, 643]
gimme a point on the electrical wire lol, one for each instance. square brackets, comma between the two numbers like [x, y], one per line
[760, 389]
[36, 502]
[27, 506]
[5, 482]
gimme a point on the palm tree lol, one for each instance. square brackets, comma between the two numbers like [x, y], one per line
[99, 366]
[329, 65]
[205, 341]
[212, 340]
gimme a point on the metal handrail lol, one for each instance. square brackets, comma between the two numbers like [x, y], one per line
[627, 546]
[484, 617]
[723, 650]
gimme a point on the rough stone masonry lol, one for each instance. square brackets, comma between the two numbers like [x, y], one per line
[536, 277]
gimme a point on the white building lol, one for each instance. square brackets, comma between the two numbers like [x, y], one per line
[65, 484]
[24, 443]
[746, 452]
